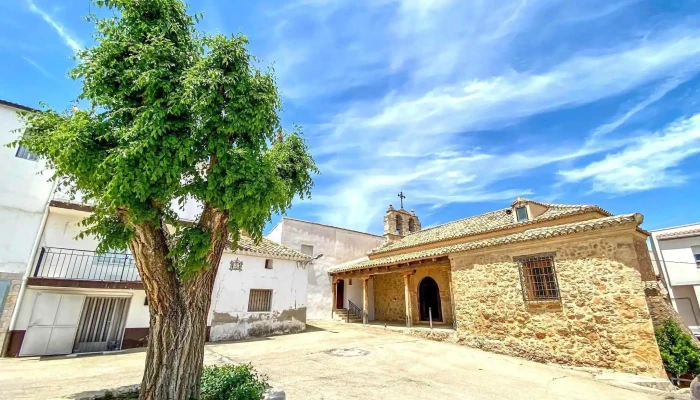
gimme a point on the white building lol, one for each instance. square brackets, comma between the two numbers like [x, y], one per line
[333, 246]
[62, 297]
[676, 252]
[24, 195]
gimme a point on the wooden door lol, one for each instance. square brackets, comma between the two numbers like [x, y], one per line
[339, 294]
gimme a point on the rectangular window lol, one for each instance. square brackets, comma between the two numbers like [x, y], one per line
[538, 278]
[268, 264]
[521, 213]
[697, 259]
[22, 152]
[307, 250]
[260, 300]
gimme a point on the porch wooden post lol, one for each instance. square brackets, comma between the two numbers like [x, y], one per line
[365, 299]
[407, 295]
[334, 288]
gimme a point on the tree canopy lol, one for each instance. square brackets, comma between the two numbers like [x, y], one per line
[173, 116]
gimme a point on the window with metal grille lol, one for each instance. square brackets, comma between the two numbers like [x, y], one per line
[260, 300]
[538, 278]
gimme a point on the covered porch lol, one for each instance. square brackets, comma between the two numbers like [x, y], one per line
[408, 294]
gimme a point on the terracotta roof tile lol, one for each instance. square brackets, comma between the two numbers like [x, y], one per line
[489, 222]
[267, 247]
[686, 232]
[530, 234]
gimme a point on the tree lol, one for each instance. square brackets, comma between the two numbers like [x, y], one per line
[174, 116]
[679, 350]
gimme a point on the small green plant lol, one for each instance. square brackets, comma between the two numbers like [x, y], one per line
[678, 351]
[232, 382]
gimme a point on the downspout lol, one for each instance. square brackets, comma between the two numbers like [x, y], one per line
[30, 261]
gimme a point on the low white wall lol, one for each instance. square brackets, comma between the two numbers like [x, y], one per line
[229, 317]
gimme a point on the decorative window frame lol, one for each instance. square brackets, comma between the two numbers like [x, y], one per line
[526, 282]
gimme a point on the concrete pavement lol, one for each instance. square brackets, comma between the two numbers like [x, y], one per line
[332, 361]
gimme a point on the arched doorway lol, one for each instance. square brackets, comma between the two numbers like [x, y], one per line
[429, 298]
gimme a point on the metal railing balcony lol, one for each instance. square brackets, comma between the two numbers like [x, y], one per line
[60, 263]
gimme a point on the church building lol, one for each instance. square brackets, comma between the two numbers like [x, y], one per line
[570, 284]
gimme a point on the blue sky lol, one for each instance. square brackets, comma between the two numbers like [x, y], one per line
[463, 105]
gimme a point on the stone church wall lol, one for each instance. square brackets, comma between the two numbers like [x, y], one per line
[602, 319]
[389, 300]
[442, 278]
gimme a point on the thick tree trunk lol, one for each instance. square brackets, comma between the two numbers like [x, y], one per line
[175, 353]
[178, 310]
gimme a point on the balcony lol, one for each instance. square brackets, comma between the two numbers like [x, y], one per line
[89, 269]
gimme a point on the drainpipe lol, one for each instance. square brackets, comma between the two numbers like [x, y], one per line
[30, 262]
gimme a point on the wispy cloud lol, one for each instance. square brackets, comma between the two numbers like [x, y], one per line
[649, 162]
[443, 75]
[38, 67]
[57, 26]
[655, 96]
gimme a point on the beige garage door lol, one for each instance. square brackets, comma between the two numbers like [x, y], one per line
[53, 324]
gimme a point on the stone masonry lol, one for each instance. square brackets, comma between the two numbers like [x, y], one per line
[442, 278]
[6, 315]
[601, 320]
[389, 300]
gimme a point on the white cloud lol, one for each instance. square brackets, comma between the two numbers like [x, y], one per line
[60, 29]
[442, 70]
[498, 100]
[38, 67]
[649, 162]
[655, 96]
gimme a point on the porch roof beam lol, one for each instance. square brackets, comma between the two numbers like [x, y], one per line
[393, 268]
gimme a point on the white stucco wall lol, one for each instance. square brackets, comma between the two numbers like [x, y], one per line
[60, 232]
[679, 258]
[687, 306]
[678, 270]
[355, 294]
[229, 317]
[337, 245]
[23, 195]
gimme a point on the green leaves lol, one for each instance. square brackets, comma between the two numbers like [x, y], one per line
[679, 351]
[174, 114]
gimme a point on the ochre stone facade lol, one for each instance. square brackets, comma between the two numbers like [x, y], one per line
[601, 320]
[389, 300]
[389, 294]
[441, 275]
